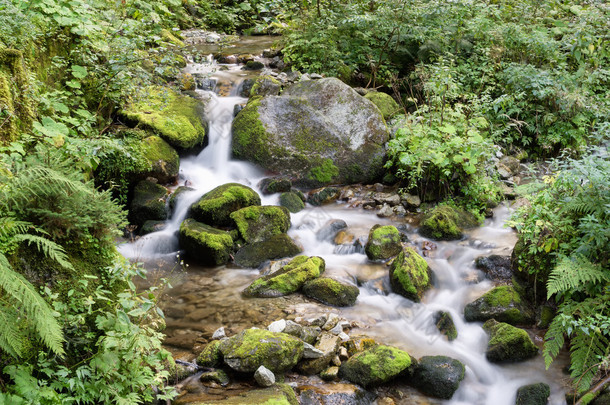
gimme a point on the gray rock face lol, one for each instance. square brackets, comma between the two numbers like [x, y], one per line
[264, 377]
[319, 131]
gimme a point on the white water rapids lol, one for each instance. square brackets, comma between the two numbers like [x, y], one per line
[391, 318]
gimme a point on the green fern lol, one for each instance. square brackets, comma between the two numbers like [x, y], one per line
[587, 349]
[554, 339]
[574, 274]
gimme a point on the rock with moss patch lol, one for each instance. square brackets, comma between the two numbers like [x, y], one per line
[216, 206]
[502, 303]
[438, 376]
[252, 348]
[292, 201]
[265, 86]
[162, 160]
[317, 131]
[276, 247]
[219, 377]
[209, 246]
[445, 325]
[148, 203]
[508, 343]
[288, 279]
[211, 355]
[258, 223]
[177, 119]
[375, 366]
[272, 185]
[386, 104]
[331, 292]
[533, 394]
[323, 196]
[279, 394]
[410, 275]
[383, 243]
[444, 222]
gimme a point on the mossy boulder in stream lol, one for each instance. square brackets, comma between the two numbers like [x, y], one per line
[535, 394]
[331, 292]
[292, 201]
[176, 118]
[288, 279]
[276, 247]
[502, 303]
[162, 161]
[279, 394]
[252, 348]
[445, 325]
[508, 343]
[375, 366]
[438, 376]
[386, 104]
[384, 242]
[211, 356]
[148, 203]
[258, 223]
[216, 206]
[444, 222]
[318, 132]
[410, 275]
[209, 246]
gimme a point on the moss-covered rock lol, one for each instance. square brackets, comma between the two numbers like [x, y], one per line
[323, 196]
[317, 131]
[258, 223]
[252, 348]
[151, 226]
[279, 394]
[359, 344]
[272, 185]
[292, 201]
[495, 267]
[533, 394]
[386, 104]
[508, 343]
[162, 161]
[276, 247]
[438, 376]
[148, 203]
[209, 246]
[444, 222]
[410, 275]
[211, 356]
[375, 366]
[16, 105]
[444, 323]
[216, 206]
[502, 303]
[288, 279]
[331, 292]
[216, 376]
[265, 86]
[383, 243]
[178, 119]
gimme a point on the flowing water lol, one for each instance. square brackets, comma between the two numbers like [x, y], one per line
[204, 299]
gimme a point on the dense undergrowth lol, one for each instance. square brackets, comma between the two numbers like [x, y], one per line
[473, 79]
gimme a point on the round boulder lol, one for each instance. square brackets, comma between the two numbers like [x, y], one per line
[375, 366]
[148, 203]
[384, 242]
[438, 376]
[216, 206]
[502, 303]
[292, 201]
[444, 222]
[508, 343]
[410, 275]
[209, 246]
[331, 292]
[533, 394]
[276, 247]
[258, 223]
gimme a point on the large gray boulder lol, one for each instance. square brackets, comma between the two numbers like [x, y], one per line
[318, 131]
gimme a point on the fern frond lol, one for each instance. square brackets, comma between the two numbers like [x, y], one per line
[554, 339]
[10, 335]
[38, 313]
[10, 226]
[586, 352]
[49, 248]
[574, 273]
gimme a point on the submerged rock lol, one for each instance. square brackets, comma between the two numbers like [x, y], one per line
[410, 275]
[331, 292]
[292, 201]
[148, 203]
[504, 304]
[508, 343]
[209, 246]
[438, 376]
[276, 247]
[216, 206]
[444, 222]
[375, 366]
[330, 229]
[533, 394]
[252, 348]
[319, 131]
[384, 242]
[259, 223]
[288, 279]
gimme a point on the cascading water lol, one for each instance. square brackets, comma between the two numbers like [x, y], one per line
[390, 318]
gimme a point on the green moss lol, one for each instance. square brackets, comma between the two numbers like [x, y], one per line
[331, 292]
[279, 394]
[216, 206]
[508, 343]
[258, 223]
[325, 172]
[502, 303]
[288, 279]
[444, 323]
[265, 86]
[384, 242]
[292, 202]
[171, 38]
[386, 104]
[148, 203]
[252, 348]
[16, 105]
[178, 119]
[441, 224]
[210, 356]
[210, 246]
[375, 366]
[410, 275]
[249, 135]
